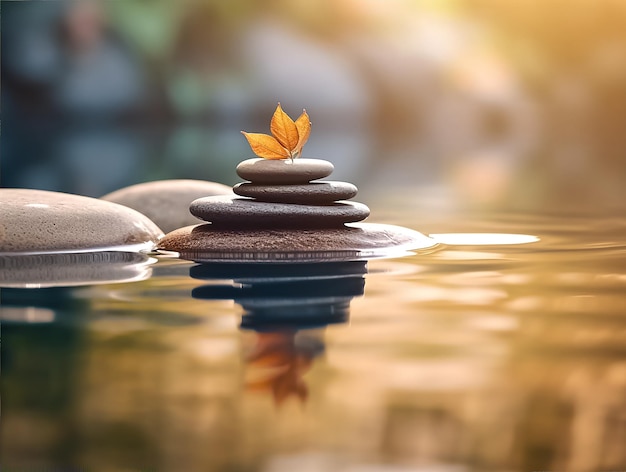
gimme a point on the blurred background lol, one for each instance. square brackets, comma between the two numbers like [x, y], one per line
[491, 358]
[482, 103]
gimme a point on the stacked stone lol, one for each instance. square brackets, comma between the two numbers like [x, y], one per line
[283, 194]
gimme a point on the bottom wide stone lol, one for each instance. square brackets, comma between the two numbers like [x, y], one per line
[359, 241]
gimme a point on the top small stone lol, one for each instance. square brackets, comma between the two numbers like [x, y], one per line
[284, 171]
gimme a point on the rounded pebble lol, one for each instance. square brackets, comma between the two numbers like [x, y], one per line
[360, 241]
[312, 193]
[246, 213]
[284, 171]
[38, 221]
[166, 202]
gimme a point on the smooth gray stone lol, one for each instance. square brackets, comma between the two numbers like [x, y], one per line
[166, 202]
[246, 213]
[38, 221]
[320, 192]
[284, 171]
[359, 241]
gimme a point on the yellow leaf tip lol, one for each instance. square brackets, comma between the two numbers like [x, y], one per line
[287, 136]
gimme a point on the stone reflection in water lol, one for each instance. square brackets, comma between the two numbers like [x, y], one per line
[73, 269]
[507, 358]
[288, 307]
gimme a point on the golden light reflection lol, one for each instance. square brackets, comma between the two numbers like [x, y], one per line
[28, 314]
[483, 239]
[466, 256]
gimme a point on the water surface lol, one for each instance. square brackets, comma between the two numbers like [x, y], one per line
[502, 349]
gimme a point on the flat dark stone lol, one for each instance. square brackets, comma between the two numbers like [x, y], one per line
[359, 241]
[284, 171]
[311, 193]
[245, 213]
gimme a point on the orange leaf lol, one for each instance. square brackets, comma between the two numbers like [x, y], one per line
[284, 129]
[266, 146]
[303, 124]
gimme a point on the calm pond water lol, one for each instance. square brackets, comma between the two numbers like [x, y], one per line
[501, 349]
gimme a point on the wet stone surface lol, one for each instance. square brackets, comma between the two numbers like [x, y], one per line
[357, 241]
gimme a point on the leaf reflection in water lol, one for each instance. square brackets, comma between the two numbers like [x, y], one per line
[277, 363]
[288, 307]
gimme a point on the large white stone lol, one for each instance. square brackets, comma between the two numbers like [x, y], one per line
[38, 221]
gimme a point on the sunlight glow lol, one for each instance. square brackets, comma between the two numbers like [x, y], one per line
[483, 239]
